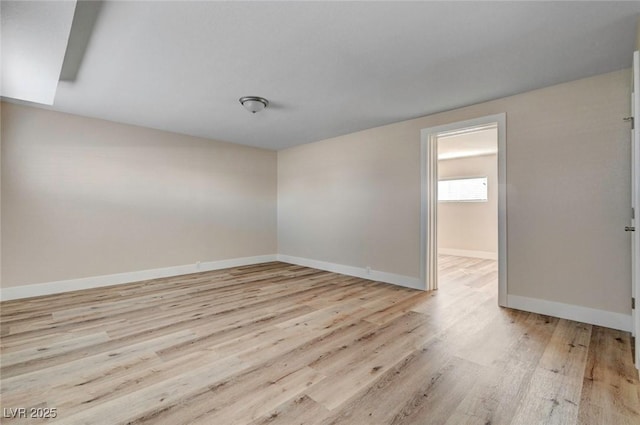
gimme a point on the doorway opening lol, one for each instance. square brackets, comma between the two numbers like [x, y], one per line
[463, 214]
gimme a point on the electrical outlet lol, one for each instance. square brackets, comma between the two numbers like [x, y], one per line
[368, 270]
[198, 265]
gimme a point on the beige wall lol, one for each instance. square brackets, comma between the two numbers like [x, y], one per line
[352, 200]
[355, 199]
[1, 194]
[638, 35]
[84, 197]
[470, 226]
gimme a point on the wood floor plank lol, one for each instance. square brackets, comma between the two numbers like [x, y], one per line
[610, 392]
[282, 344]
[504, 382]
[300, 410]
[154, 399]
[382, 401]
[554, 392]
[439, 394]
[91, 368]
[356, 367]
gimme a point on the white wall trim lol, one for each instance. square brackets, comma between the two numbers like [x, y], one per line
[38, 289]
[488, 255]
[577, 313]
[395, 279]
[592, 316]
[57, 287]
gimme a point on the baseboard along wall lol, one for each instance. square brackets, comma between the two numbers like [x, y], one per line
[362, 272]
[550, 308]
[487, 255]
[592, 316]
[49, 288]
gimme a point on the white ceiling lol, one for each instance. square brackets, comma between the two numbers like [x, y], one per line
[40, 29]
[476, 143]
[329, 68]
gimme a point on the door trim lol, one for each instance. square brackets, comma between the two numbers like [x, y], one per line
[428, 201]
[635, 202]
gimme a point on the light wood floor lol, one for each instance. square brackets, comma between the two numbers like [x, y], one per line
[282, 344]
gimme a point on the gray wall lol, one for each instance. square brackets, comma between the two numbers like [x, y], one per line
[84, 197]
[355, 199]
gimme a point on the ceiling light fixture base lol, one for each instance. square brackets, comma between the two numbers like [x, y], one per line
[254, 104]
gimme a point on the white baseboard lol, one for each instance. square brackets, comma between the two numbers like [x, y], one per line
[487, 255]
[608, 319]
[35, 290]
[550, 308]
[395, 279]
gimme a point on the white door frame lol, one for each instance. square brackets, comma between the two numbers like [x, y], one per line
[429, 202]
[635, 202]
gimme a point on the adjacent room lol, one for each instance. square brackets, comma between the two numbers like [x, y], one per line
[467, 215]
[359, 213]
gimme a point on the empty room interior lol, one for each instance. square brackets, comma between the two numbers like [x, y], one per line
[359, 213]
[467, 215]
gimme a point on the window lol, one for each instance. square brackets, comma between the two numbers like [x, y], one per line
[463, 190]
